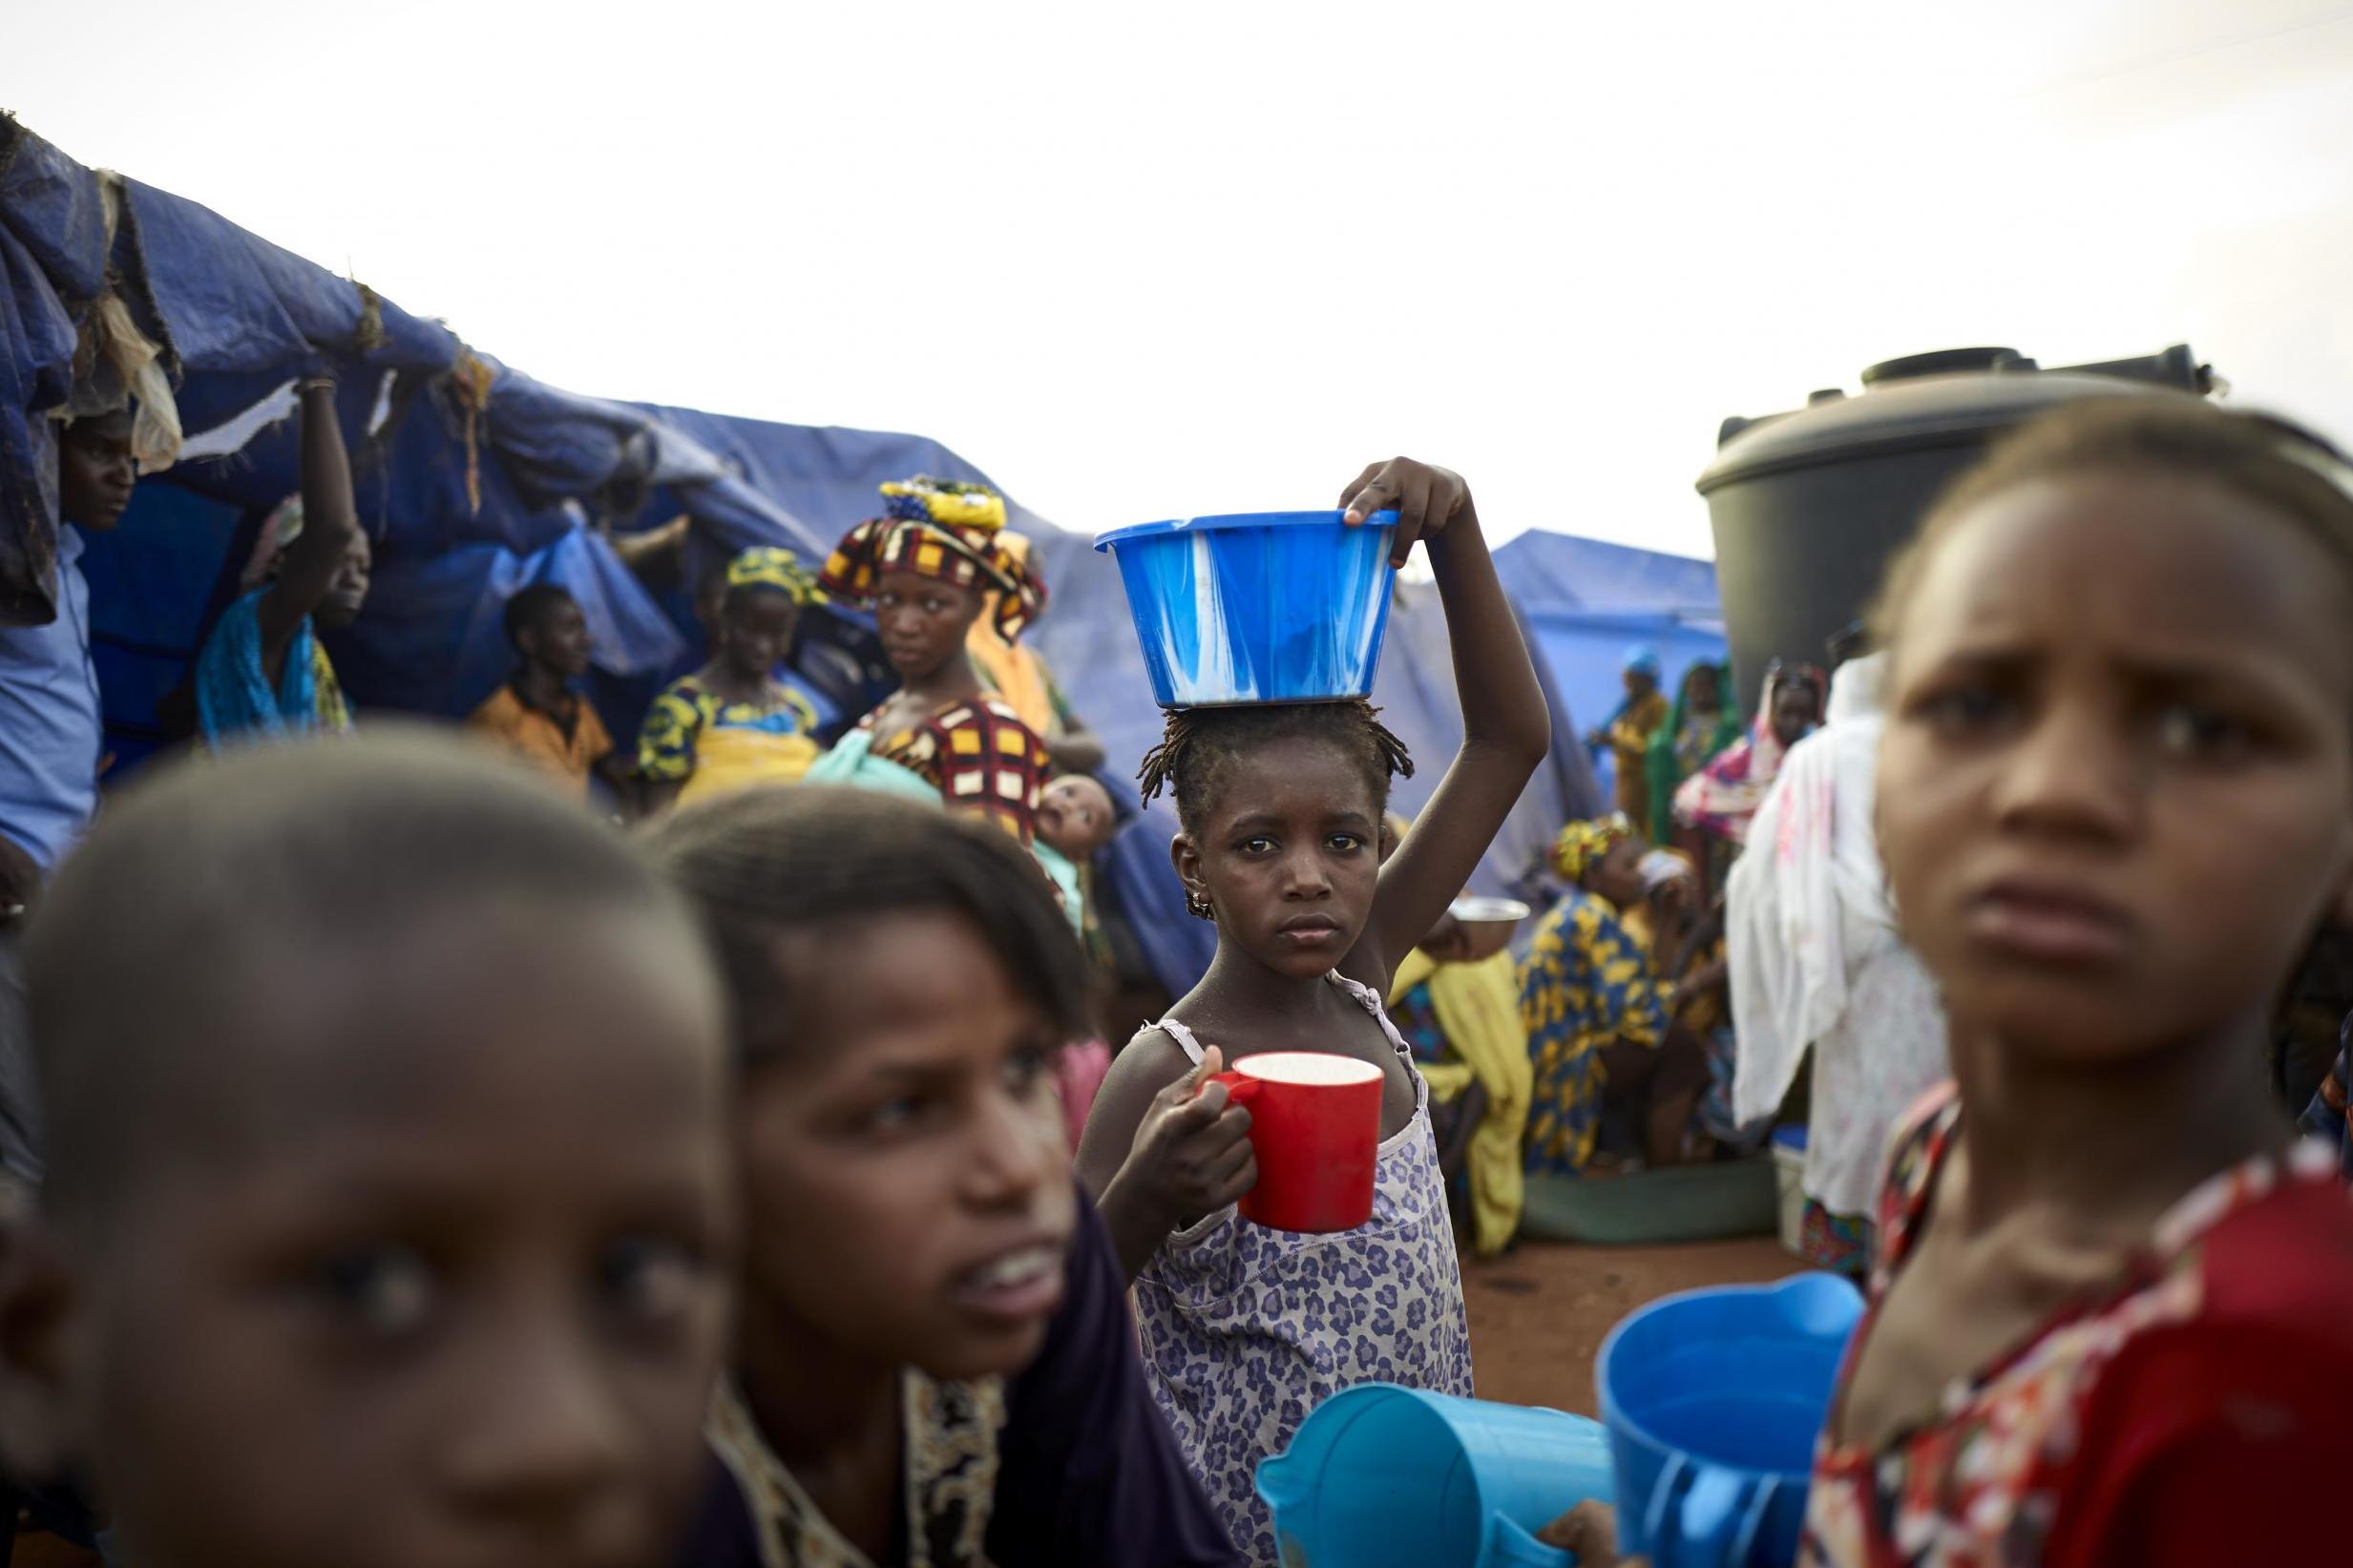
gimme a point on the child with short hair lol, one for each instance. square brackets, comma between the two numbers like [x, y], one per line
[1246, 1329]
[732, 723]
[388, 1214]
[2112, 1314]
[934, 1365]
[535, 713]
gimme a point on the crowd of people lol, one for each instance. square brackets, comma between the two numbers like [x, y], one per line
[1724, 956]
[422, 1167]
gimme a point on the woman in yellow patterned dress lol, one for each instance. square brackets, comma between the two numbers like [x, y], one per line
[732, 722]
[1598, 1015]
[926, 569]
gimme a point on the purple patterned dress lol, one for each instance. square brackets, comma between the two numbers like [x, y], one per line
[1247, 1330]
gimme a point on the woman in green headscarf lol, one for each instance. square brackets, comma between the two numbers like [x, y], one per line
[732, 723]
[1703, 724]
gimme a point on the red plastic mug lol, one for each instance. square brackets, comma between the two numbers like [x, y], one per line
[1315, 1129]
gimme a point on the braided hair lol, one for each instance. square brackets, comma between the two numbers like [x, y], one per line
[1199, 746]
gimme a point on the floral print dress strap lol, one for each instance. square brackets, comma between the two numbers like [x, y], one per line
[1184, 1037]
[1917, 1151]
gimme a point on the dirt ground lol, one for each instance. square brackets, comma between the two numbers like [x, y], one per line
[1538, 1313]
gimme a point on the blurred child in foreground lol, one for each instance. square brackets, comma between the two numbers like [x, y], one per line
[387, 1216]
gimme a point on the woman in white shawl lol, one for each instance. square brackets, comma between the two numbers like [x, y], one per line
[1817, 961]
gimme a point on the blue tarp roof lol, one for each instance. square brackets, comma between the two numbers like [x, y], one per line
[469, 497]
[1591, 603]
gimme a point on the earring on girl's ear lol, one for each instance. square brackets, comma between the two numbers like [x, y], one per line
[1198, 906]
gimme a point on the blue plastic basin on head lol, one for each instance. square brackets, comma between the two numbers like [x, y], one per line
[1257, 606]
[1714, 1400]
[1380, 1476]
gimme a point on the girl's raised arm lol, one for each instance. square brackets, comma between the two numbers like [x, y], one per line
[1506, 728]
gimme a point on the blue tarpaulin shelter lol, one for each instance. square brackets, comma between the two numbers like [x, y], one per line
[474, 479]
[1591, 602]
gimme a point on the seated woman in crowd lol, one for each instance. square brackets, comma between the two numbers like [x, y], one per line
[1683, 938]
[1598, 1015]
[732, 722]
[535, 713]
[1716, 803]
[262, 672]
[1458, 1009]
[935, 1363]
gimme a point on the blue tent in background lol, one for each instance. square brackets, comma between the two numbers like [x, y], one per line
[1591, 602]
[474, 480]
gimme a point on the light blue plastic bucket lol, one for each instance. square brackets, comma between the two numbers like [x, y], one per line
[1380, 1476]
[1257, 606]
[1714, 1400]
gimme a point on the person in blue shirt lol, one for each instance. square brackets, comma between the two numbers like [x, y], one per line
[49, 725]
[51, 729]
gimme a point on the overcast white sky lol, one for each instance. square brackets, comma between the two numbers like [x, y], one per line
[1146, 261]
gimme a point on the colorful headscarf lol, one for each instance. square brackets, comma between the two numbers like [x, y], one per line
[1582, 843]
[234, 699]
[1643, 659]
[1722, 796]
[941, 529]
[765, 566]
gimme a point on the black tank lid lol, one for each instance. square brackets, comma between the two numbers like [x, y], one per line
[1950, 398]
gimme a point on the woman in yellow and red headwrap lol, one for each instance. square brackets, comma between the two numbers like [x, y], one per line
[928, 568]
[1597, 1015]
[1019, 673]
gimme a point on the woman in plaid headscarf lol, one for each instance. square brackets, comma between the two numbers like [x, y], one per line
[929, 567]
[732, 722]
[1597, 1015]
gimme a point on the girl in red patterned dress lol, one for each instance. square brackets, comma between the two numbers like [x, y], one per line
[2111, 1317]
[2111, 1320]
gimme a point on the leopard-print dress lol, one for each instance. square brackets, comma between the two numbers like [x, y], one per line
[1247, 1330]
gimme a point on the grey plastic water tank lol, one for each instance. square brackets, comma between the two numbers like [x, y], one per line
[1808, 506]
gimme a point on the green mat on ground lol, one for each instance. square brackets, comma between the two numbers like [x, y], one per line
[1675, 1203]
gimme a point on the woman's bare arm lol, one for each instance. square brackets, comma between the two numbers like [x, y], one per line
[330, 521]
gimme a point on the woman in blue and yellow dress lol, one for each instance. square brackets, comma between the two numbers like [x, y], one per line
[1599, 1019]
[732, 722]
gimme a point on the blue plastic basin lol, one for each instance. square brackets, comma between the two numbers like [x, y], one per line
[1714, 1400]
[1380, 1476]
[1257, 606]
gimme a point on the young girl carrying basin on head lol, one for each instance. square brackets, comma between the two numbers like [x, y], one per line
[1246, 1328]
